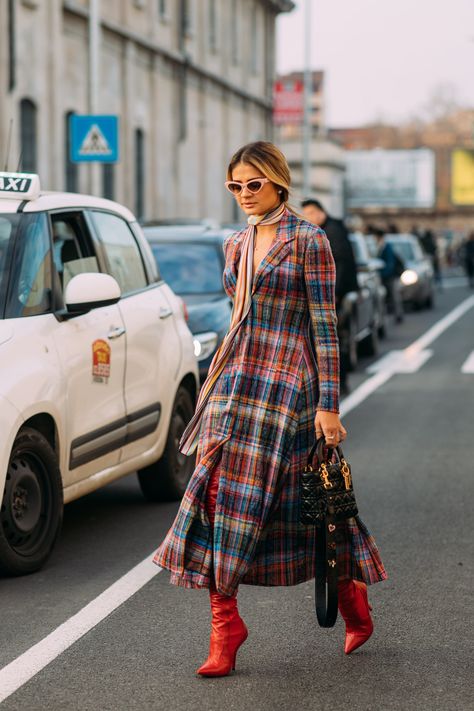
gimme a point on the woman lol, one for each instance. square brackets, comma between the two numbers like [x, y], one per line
[262, 404]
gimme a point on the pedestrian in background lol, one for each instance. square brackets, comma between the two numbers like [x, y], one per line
[430, 246]
[258, 413]
[469, 259]
[346, 274]
[389, 274]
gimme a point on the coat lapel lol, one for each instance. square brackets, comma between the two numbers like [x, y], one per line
[277, 252]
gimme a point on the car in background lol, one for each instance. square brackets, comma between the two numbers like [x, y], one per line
[362, 312]
[417, 281]
[99, 377]
[191, 260]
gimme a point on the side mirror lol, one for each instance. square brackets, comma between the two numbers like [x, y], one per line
[91, 291]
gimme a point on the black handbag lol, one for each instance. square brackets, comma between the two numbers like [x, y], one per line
[326, 499]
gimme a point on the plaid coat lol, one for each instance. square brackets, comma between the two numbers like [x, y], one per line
[258, 427]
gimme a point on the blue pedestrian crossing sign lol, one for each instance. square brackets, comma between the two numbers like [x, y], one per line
[94, 138]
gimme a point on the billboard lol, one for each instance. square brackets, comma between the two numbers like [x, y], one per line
[391, 178]
[462, 177]
[288, 102]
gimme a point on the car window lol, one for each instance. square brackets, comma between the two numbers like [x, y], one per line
[30, 269]
[189, 268]
[123, 254]
[72, 250]
[404, 250]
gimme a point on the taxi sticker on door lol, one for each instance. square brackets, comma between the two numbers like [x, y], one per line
[101, 353]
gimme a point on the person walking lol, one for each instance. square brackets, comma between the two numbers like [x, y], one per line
[389, 274]
[430, 246]
[469, 259]
[259, 410]
[346, 275]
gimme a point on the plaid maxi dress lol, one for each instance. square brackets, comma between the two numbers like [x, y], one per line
[258, 427]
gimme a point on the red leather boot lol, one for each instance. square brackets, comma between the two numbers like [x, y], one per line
[355, 610]
[228, 630]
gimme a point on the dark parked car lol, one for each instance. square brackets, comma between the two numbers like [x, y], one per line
[364, 311]
[417, 281]
[191, 260]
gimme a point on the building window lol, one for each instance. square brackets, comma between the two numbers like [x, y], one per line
[139, 174]
[212, 25]
[185, 21]
[11, 45]
[234, 33]
[28, 158]
[108, 181]
[254, 26]
[71, 170]
[162, 9]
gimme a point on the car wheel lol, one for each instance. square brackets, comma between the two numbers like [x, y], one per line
[32, 505]
[369, 346]
[429, 303]
[167, 479]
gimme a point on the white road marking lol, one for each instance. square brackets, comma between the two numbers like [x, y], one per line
[454, 282]
[411, 354]
[400, 361]
[468, 365]
[28, 664]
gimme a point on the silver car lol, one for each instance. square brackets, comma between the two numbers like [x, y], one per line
[417, 281]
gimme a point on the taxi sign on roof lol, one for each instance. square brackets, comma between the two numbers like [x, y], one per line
[19, 186]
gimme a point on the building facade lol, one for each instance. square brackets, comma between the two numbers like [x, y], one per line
[190, 80]
[450, 138]
[327, 157]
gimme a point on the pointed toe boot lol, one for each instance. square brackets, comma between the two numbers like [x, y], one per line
[355, 610]
[228, 633]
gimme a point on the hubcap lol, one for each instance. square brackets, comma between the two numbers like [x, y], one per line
[25, 500]
[26, 504]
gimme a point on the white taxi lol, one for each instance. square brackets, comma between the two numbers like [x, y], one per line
[99, 376]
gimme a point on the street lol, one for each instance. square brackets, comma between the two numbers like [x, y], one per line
[411, 447]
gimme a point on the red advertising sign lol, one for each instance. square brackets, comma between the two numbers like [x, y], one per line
[288, 102]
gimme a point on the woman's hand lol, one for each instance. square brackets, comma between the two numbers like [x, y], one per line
[329, 425]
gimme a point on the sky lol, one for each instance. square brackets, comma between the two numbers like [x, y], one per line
[384, 59]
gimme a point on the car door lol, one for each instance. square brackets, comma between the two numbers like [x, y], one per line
[91, 350]
[153, 346]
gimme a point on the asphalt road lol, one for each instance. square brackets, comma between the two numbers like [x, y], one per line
[411, 446]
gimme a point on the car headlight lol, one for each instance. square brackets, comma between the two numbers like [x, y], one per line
[205, 344]
[409, 277]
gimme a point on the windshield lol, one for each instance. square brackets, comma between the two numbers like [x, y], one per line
[405, 250]
[25, 265]
[190, 268]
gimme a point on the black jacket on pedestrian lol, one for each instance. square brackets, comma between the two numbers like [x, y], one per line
[346, 269]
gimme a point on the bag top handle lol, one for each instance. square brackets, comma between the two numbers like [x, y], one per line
[318, 449]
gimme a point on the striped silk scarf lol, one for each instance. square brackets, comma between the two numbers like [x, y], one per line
[242, 304]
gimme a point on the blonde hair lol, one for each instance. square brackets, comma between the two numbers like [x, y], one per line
[269, 160]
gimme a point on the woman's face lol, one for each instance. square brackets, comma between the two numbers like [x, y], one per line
[255, 204]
